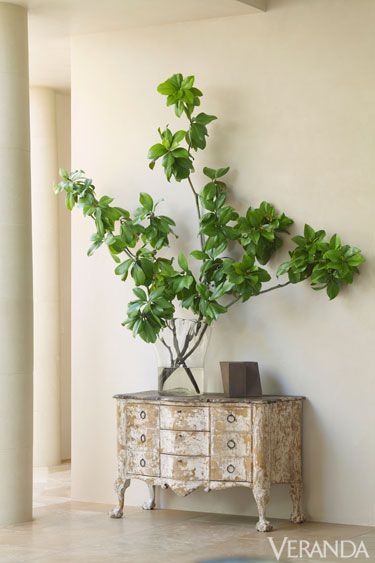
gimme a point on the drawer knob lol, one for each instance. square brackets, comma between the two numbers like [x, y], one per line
[142, 414]
[231, 418]
[230, 468]
[231, 444]
[142, 463]
[143, 438]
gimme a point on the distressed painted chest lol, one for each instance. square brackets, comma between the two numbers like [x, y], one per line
[210, 442]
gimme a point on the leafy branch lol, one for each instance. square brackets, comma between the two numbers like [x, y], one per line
[136, 241]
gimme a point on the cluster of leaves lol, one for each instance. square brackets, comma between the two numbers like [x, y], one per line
[328, 264]
[135, 241]
[176, 160]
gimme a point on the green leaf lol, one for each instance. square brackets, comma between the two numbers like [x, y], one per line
[63, 173]
[140, 293]
[180, 153]
[187, 82]
[335, 242]
[105, 200]
[220, 172]
[70, 202]
[309, 232]
[333, 289]
[199, 255]
[147, 267]
[178, 137]
[355, 260]
[183, 262]
[123, 268]
[214, 174]
[147, 201]
[156, 151]
[138, 274]
[204, 119]
[168, 87]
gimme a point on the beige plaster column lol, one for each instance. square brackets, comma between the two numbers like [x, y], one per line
[16, 322]
[45, 277]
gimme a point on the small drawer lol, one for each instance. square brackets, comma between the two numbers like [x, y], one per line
[180, 442]
[184, 418]
[142, 463]
[184, 468]
[139, 437]
[142, 414]
[230, 419]
[230, 469]
[237, 444]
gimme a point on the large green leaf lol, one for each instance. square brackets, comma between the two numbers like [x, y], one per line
[146, 200]
[156, 151]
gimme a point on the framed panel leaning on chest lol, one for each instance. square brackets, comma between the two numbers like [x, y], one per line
[210, 442]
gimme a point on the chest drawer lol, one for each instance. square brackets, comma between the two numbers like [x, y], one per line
[184, 468]
[184, 418]
[230, 419]
[143, 463]
[230, 469]
[180, 442]
[237, 444]
[142, 415]
[142, 438]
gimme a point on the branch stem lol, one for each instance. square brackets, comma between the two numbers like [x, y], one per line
[274, 287]
[196, 197]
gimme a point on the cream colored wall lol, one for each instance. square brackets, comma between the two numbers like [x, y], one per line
[50, 148]
[63, 159]
[295, 92]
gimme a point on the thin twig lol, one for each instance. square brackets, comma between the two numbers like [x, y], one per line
[274, 287]
[196, 197]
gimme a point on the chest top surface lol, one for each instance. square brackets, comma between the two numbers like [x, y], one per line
[205, 398]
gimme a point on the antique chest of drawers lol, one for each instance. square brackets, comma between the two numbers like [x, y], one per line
[210, 442]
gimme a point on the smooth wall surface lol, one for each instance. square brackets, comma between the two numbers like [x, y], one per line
[50, 149]
[294, 89]
[63, 161]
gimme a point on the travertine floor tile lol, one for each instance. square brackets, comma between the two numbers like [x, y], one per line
[67, 531]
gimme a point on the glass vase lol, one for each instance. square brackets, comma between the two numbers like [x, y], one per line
[180, 349]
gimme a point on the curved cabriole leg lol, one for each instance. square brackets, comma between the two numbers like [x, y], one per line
[149, 504]
[296, 490]
[120, 488]
[262, 497]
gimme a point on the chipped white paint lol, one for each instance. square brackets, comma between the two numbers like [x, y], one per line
[231, 443]
[230, 419]
[230, 468]
[184, 468]
[181, 417]
[182, 444]
[141, 462]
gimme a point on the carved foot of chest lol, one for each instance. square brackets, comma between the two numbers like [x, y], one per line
[210, 442]
[149, 504]
[296, 490]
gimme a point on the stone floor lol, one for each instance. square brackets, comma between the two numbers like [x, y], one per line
[68, 531]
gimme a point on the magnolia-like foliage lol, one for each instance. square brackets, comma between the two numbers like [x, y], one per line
[136, 240]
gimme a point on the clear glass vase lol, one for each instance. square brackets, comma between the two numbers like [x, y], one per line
[180, 349]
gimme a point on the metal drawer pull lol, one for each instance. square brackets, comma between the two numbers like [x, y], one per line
[231, 444]
[143, 438]
[142, 414]
[142, 463]
[230, 468]
[179, 412]
[231, 418]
